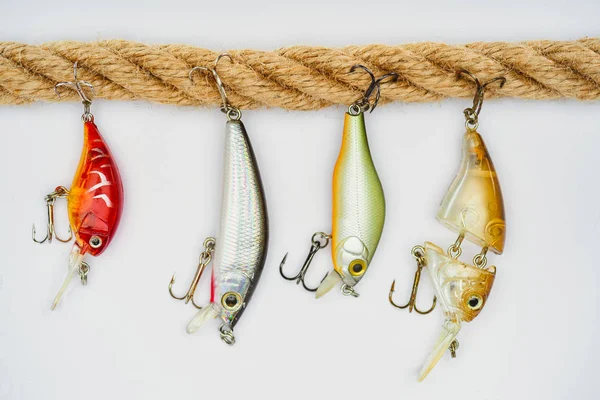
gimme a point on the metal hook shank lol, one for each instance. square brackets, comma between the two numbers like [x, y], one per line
[77, 86]
[60, 192]
[205, 259]
[192, 289]
[375, 87]
[412, 303]
[475, 110]
[319, 240]
[220, 87]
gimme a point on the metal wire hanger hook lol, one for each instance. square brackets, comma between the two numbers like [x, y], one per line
[472, 113]
[77, 85]
[363, 104]
[233, 113]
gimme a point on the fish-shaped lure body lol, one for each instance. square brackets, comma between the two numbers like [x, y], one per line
[95, 201]
[358, 208]
[473, 207]
[241, 245]
[462, 291]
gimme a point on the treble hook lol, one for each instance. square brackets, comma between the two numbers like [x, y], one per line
[319, 241]
[205, 258]
[233, 113]
[364, 104]
[472, 113]
[419, 253]
[59, 192]
[77, 86]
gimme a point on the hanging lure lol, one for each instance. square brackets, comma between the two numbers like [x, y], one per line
[95, 200]
[472, 207]
[240, 248]
[358, 203]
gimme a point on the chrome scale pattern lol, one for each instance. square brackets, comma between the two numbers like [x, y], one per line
[241, 245]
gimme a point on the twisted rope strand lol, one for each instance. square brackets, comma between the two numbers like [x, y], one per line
[299, 77]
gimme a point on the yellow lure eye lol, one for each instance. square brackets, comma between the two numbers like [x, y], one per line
[231, 301]
[357, 267]
[475, 302]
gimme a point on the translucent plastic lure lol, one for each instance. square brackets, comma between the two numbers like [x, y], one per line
[240, 248]
[95, 200]
[358, 204]
[473, 207]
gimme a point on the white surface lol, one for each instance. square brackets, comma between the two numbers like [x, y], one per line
[123, 336]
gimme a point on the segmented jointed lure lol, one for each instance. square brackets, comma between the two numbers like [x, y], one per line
[358, 203]
[95, 200]
[474, 208]
[240, 248]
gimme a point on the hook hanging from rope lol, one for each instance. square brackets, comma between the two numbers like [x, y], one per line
[472, 113]
[364, 104]
[233, 113]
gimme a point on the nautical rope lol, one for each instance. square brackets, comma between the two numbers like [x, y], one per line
[299, 77]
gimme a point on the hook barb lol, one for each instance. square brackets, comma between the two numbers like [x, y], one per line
[226, 107]
[412, 302]
[364, 103]
[205, 259]
[77, 86]
[472, 113]
[319, 240]
[189, 296]
[59, 192]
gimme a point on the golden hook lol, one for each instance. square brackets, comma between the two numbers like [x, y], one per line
[205, 259]
[233, 113]
[59, 192]
[419, 253]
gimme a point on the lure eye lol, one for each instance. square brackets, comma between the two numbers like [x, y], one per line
[475, 302]
[95, 242]
[231, 301]
[357, 267]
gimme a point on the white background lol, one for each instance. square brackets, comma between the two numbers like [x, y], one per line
[122, 336]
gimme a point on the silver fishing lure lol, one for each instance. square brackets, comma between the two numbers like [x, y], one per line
[240, 248]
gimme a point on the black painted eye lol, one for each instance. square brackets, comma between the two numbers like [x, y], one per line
[231, 301]
[357, 267]
[475, 302]
[95, 242]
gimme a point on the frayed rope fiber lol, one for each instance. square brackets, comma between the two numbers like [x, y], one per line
[299, 77]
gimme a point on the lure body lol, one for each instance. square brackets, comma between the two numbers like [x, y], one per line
[94, 202]
[472, 207]
[462, 290]
[241, 247]
[358, 207]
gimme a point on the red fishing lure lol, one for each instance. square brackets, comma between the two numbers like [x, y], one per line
[95, 200]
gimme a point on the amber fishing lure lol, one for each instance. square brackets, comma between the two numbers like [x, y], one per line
[95, 200]
[473, 207]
